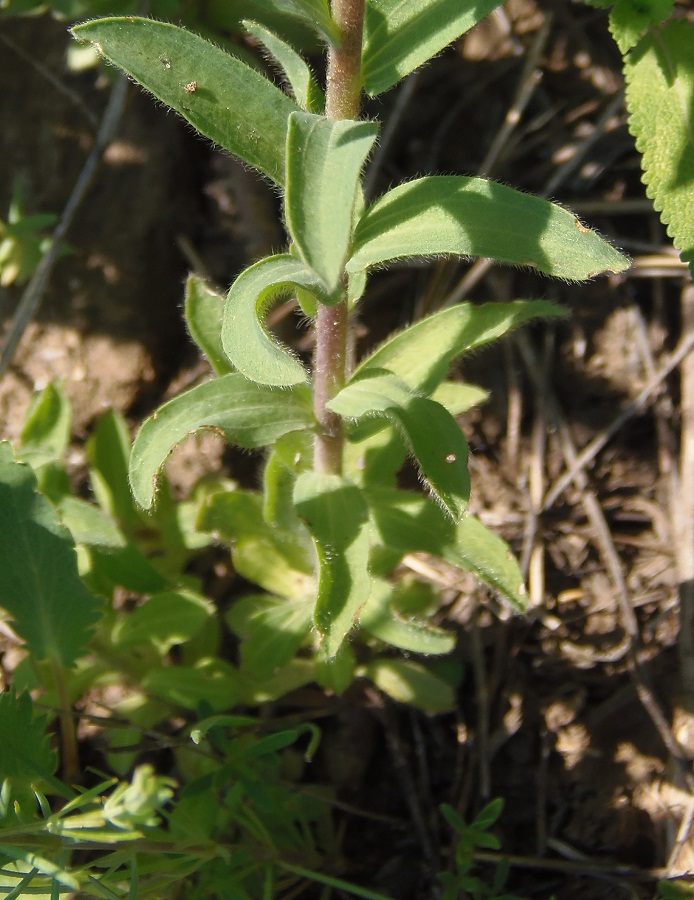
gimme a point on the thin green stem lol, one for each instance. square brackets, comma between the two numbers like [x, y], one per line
[342, 99]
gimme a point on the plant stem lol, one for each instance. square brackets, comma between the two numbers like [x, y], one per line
[332, 322]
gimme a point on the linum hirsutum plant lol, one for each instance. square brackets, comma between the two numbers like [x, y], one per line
[330, 525]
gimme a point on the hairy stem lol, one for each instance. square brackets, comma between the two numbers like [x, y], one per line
[332, 322]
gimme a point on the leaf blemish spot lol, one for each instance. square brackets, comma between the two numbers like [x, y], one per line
[191, 87]
[451, 458]
[581, 227]
[165, 62]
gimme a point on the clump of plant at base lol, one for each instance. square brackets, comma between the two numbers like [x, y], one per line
[327, 537]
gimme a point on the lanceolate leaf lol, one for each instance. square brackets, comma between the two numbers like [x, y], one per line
[478, 549]
[315, 13]
[422, 354]
[380, 619]
[409, 682]
[409, 523]
[660, 99]
[246, 413]
[336, 514]
[219, 95]
[442, 214]
[435, 438]
[254, 352]
[400, 35]
[324, 160]
[306, 92]
[204, 310]
[39, 586]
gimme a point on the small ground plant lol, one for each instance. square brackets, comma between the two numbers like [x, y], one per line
[324, 537]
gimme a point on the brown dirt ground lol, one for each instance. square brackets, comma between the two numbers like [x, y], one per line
[549, 716]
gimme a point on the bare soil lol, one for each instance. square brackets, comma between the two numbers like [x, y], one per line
[553, 711]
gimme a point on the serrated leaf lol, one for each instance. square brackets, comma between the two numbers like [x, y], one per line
[219, 95]
[25, 748]
[324, 161]
[457, 214]
[50, 607]
[300, 78]
[660, 100]
[165, 619]
[246, 413]
[204, 310]
[411, 683]
[422, 354]
[382, 621]
[400, 35]
[336, 514]
[246, 341]
[630, 18]
[478, 549]
[434, 437]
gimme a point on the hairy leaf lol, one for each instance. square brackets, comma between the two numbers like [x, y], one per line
[46, 430]
[300, 78]
[478, 549]
[382, 621]
[204, 310]
[422, 354]
[409, 682]
[660, 99]
[435, 438]
[314, 13]
[39, 586]
[219, 95]
[324, 160]
[246, 413]
[456, 214]
[400, 35]
[336, 514]
[246, 341]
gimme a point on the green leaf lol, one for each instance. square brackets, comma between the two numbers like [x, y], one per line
[47, 426]
[89, 525]
[381, 619]
[247, 414]
[409, 682]
[314, 13]
[336, 514]
[213, 683]
[300, 78]
[478, 549]
[435, 438]
[272, 628]
[25, 748]
[279, 560]
[39, 586]
[660, 100]
[441, 214]
[400, 35]
[459, 398]
[166, 619]
[247, 343]
[108, 452]
[422, 354]
[204, 310]
[324, 161]
[630, 18]
[219, 95]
